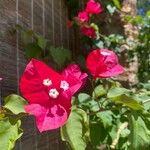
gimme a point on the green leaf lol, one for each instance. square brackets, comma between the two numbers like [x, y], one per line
[81, 61]
[128, 101]
[117, 3]
[140, 135]
[60, 55]
[93, 106]
[125, 133]
[106, 118]
[145, 99]
[122, 96]
[137, 20]
[4, 125]
[114, 92]
[76, 130]
[111, 9]
[42, 42]
[99, 91]
[128, 18]
[99, 44]
[83, 98]
[2, 115]
[32, 50]
[148, 13]
[145, 85]
[97, 134]
[86, 102]
[95, 26]
[27, 36]
[9, 132]
[15, 103]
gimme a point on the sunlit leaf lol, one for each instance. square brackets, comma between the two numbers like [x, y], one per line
[9, 132]
[148, 13]
[122, 96]
[99, 91]
[76, 130]
[83, 98]
[94, 106]
[106, 118]
[113, 92]
[2, 115]
[117, 3]
[111, 9]
[15, 103]
[99, 44]
[140, 135]
[128, 101]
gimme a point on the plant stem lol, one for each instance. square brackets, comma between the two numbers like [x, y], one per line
[101, 110]
[116, 140]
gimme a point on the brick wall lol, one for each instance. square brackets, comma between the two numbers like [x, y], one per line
[47, 17]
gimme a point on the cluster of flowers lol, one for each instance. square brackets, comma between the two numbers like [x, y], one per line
[92, 8]
[49, 93]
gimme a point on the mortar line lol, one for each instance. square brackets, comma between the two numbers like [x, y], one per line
[53, 24]
[43, 16]
[61, 26]
[17, 56]
[32, 27]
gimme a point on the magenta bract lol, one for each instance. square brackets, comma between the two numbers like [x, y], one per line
[49, 93]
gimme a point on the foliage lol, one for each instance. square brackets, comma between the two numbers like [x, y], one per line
[15, 104]
[36, 46]
[141, 46]
[118, 117]
[58, 53]
[10, 114]
[76, 130]
[9, 132]
[140, 134]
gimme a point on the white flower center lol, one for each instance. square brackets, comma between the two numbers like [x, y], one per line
[47, 82]
[53, 93]
[64, 85]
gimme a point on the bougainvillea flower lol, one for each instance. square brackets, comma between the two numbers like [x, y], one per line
[93, 7]
[83, 16]
[49, 93]
[103, 63]
[88, 31]
[75, 77]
